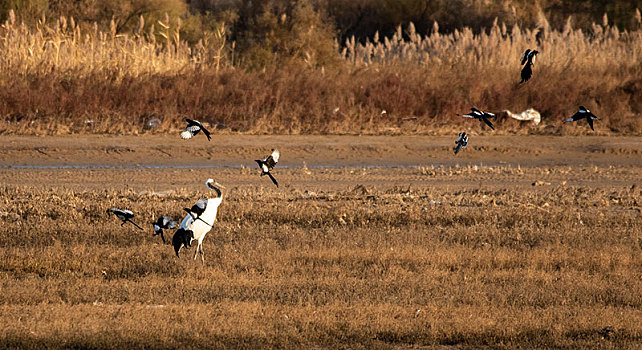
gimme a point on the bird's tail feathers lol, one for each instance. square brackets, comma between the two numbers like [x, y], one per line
[133, 223]
[273, 179]
[205, 222]
[196, 217]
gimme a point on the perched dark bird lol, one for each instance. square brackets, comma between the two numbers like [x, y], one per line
[527, 73]
[194, 127]
[528, 59]
[525, 56]
[481, 116]
[461, 142]
[182, 238]
[584, 113]
[268, 164]
[163, 222]
[124, 216]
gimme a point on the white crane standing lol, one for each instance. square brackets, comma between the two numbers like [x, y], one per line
[199, 221]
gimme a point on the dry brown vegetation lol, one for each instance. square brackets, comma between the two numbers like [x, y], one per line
[346, 257]
[60, 79]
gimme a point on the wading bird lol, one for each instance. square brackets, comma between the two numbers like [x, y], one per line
[194, 226]
[124, 216]
[528, 59]
[268, 164]
[163, 222]
[529, 114]
[461, 142]
[584, 113]
[194, 127]
[199, 207]
[479, 115]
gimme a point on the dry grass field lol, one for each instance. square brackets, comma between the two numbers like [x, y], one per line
[532, 242]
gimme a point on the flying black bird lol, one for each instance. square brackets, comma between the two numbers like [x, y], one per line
[528, 59]
[461, 142]
[124, 216]
[163, 222]
[197, 209]
[194, 127]
[481, 116]
[194, 217]
[584, 113]
[268, 164]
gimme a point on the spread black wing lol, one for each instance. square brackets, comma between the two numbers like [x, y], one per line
[206, 132]
[198, 208]
[590, 122]
[487, 122]
[525, 57]
[578, 116]
[269, 161]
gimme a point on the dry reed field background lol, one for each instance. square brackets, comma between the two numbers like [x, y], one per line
[465, 255]
[61, 78]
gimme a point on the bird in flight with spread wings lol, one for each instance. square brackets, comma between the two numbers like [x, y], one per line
[268, 164]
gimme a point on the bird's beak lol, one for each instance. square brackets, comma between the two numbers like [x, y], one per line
[219, 185]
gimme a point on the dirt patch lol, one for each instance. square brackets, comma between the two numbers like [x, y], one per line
[241, 150]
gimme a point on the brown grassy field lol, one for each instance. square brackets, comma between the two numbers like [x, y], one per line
[534, 250]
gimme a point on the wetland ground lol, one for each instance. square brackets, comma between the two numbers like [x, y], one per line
[370, 242]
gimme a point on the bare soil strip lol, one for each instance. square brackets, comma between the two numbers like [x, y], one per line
[236, 150]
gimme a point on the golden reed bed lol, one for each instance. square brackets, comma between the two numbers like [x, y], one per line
[61, 78]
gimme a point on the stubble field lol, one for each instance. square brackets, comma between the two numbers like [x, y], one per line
[370, 242]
